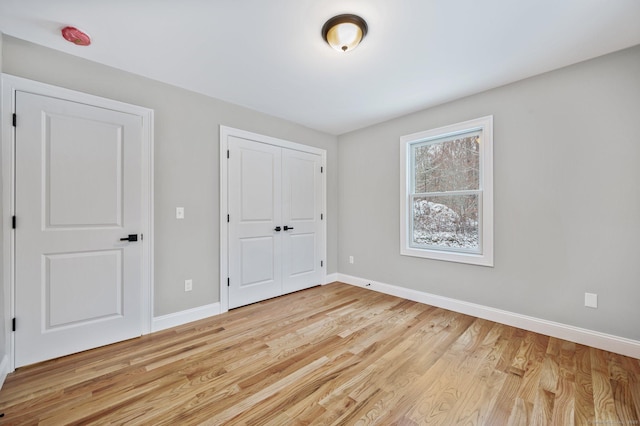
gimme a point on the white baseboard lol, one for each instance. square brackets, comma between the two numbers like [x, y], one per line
[330, 278]
[579, 335]
[4, 369]
[183, 317]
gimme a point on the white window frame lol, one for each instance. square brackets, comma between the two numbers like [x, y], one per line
[484, 256]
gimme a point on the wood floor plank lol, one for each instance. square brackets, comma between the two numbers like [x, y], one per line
[479, 394]
[603, 398]
[521, 413]
[584, 402]
[633, 367]
[543, 404]
[452, 393]
[330, 355]
[564, 404]
[435, 384]
[542, 407]
[528, 362]
[505, 399]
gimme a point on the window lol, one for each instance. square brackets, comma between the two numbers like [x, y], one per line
[447, 193]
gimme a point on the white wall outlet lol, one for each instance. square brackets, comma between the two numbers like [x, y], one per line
[350, 259]
[179, 212]
[188, 285]
[591, 300]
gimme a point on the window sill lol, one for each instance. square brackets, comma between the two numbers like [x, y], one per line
[483, 259]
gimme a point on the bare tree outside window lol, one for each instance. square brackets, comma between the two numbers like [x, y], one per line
[446, 192]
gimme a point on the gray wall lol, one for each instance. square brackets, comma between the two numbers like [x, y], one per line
[567, 204]
[186, 164]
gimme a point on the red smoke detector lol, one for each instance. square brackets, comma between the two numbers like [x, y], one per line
[76, 36]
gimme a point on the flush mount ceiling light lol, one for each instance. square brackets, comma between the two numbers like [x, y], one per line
[344, 32]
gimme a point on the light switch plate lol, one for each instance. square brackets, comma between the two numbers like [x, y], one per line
[179, 212]
[591, 300]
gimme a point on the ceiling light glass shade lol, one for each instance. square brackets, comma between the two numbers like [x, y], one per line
[344, 32]
[344, 36]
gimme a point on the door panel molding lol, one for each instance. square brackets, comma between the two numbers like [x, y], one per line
[225, 134]
[9, 86]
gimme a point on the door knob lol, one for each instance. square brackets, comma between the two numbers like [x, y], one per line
[277, 229]
[287, 228]
[131, 237]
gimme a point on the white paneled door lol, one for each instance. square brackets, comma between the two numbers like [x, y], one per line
[275, 228]
[302, 227]
[78, 195]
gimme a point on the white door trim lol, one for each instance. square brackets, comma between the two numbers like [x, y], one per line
[11, 84]
[225, 132]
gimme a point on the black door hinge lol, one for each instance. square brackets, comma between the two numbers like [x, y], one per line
[227, 218]
[15, 119]
[13, 325]
[321, 263]
[228, 282]
[228, 154]
[321, 216]
[321, 169]
[13, 222]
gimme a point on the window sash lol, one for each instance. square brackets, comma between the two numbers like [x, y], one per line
[412, 218]
[449, 138]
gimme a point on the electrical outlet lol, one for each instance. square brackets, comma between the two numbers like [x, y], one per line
[179, 212]
[351, 259]
[591, 300]
[188, 285]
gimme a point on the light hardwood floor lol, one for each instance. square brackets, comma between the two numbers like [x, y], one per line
[331, 355]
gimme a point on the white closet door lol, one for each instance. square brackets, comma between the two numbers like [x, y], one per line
[275, 229]
[301, 209]
[255, 210]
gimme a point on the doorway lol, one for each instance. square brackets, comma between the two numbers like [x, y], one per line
[80, 202]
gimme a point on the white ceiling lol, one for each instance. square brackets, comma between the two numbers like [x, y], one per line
[268, 55]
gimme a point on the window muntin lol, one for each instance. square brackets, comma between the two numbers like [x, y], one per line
[447, 193]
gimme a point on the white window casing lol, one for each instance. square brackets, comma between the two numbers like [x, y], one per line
[481, 194]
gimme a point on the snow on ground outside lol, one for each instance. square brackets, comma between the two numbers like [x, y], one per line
[437, 225]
